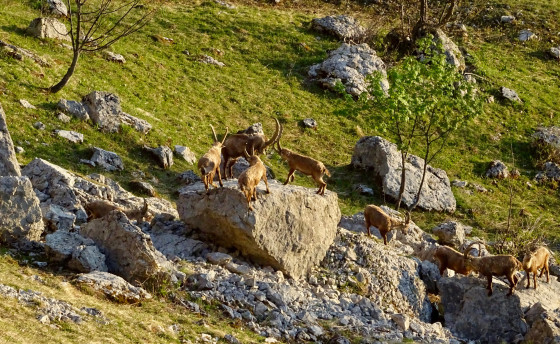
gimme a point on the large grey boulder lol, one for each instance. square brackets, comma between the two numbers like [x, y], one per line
[129, 252]
[114, 287]
[497, 169]
[110, 161]
[75, 251]
[73, 108]
[163, 154]
[384, 159]
[453, 55]
[290, 229]
[8, 162]
[48, 28]
[342, 27]
[450, 233]
[185, 153]
[57, 218]
[20, 220]
[349, 65]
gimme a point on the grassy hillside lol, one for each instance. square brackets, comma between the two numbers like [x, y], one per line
[267, 51]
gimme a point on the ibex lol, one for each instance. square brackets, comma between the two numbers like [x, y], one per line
[375, 216]
[534, 261]
[304, 164]
[100, 208]
[448, 258]
[501, 265]
[250, 178]
[209, 163]
[236, 144]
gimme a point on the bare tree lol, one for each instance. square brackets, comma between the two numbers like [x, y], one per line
[96, 24]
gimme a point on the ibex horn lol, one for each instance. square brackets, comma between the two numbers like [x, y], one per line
[214, 132]
[224, 139]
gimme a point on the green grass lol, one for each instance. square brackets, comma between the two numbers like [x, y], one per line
[266, 77]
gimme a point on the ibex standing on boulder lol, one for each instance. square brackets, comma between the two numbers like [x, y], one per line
[250, 178]
[501, 265]
[375, 216]
[304, 164]
[236, 144]
[209, 163]
[534, 261]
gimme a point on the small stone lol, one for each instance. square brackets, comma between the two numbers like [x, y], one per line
[480, 188]
[19, 150]
[71, 136]
[402, 321]
[364, 190]
[219, 258]
[507, 19]
[555, 52]
[231, 339]
[62, 117]
[497, 169]
[163, 154]
[87, 162]
[510, 94]
[210, 60]
[186, 52]
[26, 104]
[40, 264]
[113, 57]
[185, 153]
[490, 99]
[144, 188]
[39, 126]
[110, 161]
[73, 108]
[459, 183]
[526, 35]
[44, 319]
[188, 177]
[310, 123]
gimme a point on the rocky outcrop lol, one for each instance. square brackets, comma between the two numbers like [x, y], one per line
[163, 154]
[290, 229]
[73, 108]
[48, 28]
[8, 162]
[551, 172]
[110, 161]
[383, 158]
[129, 252]
[349, 65]
[342, 27]
[74, 251]
[450, 233]
[114, 287]
[497, 169]
[453, 55]
[20, 220]
[57, 7]
[185, 153]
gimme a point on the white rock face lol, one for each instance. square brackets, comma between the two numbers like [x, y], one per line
[48, 28]
[9, 165]
[114, 287]
[382, 156]
[350, 65]
[290, 229]
[20, 220]
[185, 153]
[342, 27]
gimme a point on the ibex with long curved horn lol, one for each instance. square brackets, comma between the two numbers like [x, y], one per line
[236, 144]
[501, 265]
[209, 163]
[304, 164]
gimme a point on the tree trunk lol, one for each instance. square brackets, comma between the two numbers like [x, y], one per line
[68, 74]
[403, 179]
[417, 198]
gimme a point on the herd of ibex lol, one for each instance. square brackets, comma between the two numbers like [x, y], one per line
[238, 145]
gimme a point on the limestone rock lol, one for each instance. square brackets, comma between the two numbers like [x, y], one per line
[349, 65]
[450, 233]
[63, 118]
[39, 126]
[175, 246]
[526, 35]
[544, 324]
[382, 156]
[138, 124]
[144, 188]
[507, 19]
[342, 27]
[110, 161]
[186, 154]
[9, 165]
[546, 142]
[113, 287]
[57, 7]
[71, 136]
[57, 218]
[104, 108]
[113, 57]
[551, 173]
[290, 229]
[555, 52]
[510, 94]
[129, 252]
[27, 104]
[21, 219]
[451, 50]
[497, 169]
[48, 28]
[188, 177]
[253, 129]
[60, 245]
[210, 60]
[73, 108]
[310, 123]
[364, 190]
[87, 258]
[163, 154]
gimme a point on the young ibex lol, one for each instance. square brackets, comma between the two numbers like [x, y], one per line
[375, 216]
[534, 261]
[501, 265]
[236, 144]
[448, 258]
[209, 163]
[100, 208]
[250, 178]
[304, 164]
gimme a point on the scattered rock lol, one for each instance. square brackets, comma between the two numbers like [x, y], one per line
[71, 136]
[57, 218]
[310, 123]
[21, 220]
[210, 60]
[78, 253]
[219, 258]
[497, 169]
[39, 126]
[188, 177]
[48, 28]
[87, 258]
[349, 65]
[526, 35]
[555, 52]
[507, 19]
[546, 142]
[510, 94]
[113, 57]
[57, 7]
[19, 150]
[225, 4]
[144, 188]
[110, 161]
[450, 233]
[460, 183]
[73, 108]
[342, 27]
[63, 118]
[402, 321]
[163, 154]
[26, 104]
[551, 173]
[382, 156]
[480, 188]
[9, 165]
[185, 153]
[114, 287]
[301, 247]
[451, 50]
[253, 129]
[545, 327]
[364, 190]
